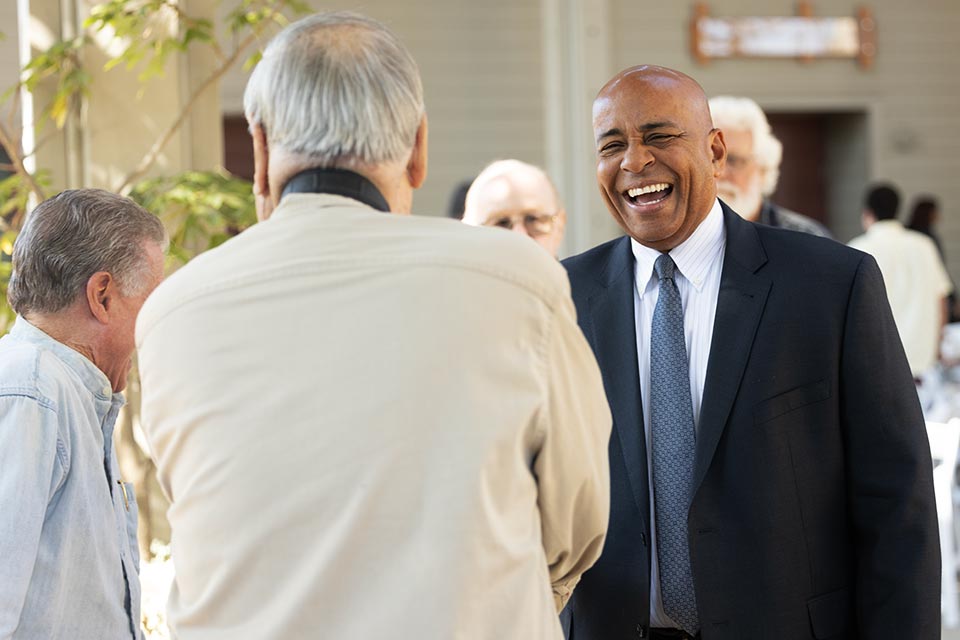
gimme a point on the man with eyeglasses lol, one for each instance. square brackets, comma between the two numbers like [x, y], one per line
[519, 197]
[753, 166]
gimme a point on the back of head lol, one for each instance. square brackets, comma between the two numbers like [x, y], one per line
[73, 235]
[337, 89]
[924, 213]
[883, 200]
[743, 114]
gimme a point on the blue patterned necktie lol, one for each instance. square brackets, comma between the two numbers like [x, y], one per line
[674, 440]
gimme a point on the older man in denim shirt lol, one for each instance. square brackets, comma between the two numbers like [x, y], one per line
[83, 265]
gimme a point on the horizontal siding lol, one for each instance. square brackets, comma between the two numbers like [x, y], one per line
[911, 95]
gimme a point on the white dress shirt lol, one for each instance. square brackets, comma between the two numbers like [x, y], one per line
[699, 261]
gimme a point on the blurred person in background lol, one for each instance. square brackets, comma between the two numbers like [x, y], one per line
[520, 197]
[83, 265]
[458, 198]
[916, 281]
[924, 217]
[369, 424]
[753, 166]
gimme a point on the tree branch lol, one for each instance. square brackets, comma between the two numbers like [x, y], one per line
[183, 17]
[13, 151]
[151, 157]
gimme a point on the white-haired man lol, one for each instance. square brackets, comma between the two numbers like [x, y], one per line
[354, 446]
[83, 265]
[753, 166]
[520, 197]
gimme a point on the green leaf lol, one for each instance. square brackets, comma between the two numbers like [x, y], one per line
[252, 60]
[200, 209]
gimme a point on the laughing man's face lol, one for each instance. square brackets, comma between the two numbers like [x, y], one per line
[658, 156]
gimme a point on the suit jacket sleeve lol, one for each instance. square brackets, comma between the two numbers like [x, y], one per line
[572, 467]
[890, 485]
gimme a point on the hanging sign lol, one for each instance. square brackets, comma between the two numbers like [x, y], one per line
[805, 37]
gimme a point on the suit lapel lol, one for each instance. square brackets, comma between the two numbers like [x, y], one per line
[743, 294]
[615, 337]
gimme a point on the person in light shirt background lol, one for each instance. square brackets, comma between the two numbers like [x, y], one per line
[916, 280]
[520, 197]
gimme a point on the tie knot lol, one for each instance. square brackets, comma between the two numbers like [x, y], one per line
[664, 266]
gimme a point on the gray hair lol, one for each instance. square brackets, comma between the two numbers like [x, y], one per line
[743, 114]
[72, 236]
[337, 88]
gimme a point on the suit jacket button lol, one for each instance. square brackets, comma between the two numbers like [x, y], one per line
[641, 631]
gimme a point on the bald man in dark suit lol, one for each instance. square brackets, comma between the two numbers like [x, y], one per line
[789, 494]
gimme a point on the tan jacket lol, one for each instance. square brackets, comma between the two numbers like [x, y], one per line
[373, 426]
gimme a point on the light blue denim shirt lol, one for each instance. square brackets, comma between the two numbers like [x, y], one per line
[69, 561]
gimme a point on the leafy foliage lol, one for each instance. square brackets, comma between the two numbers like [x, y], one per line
[6, 251]
[62, 63]
[14, 194]
[200, 209]
[142, 26]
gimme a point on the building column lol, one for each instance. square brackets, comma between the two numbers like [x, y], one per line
[576, 62]
[111, 130]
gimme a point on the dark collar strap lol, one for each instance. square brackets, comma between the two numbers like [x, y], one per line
[339, 182]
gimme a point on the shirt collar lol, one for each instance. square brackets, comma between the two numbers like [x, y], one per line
[889, 225]
[297, 204]
[92, 378]
[694, 257]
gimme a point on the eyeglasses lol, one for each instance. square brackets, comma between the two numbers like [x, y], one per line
[738, 162]
[536, 224]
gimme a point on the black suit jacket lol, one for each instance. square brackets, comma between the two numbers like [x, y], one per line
[813, 514]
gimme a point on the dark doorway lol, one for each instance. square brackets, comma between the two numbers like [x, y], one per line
[802, 185]
[237, 147]
[825, 166]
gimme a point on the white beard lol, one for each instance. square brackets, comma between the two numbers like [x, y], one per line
[746, 202]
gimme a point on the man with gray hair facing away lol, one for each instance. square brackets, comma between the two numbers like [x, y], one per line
[514, 195]
[353, 444]
[82, 266]
[753, 166]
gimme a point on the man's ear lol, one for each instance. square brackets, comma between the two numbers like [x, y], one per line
[718, 151]
[101, 294]
[417, 165]
[261, 171]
